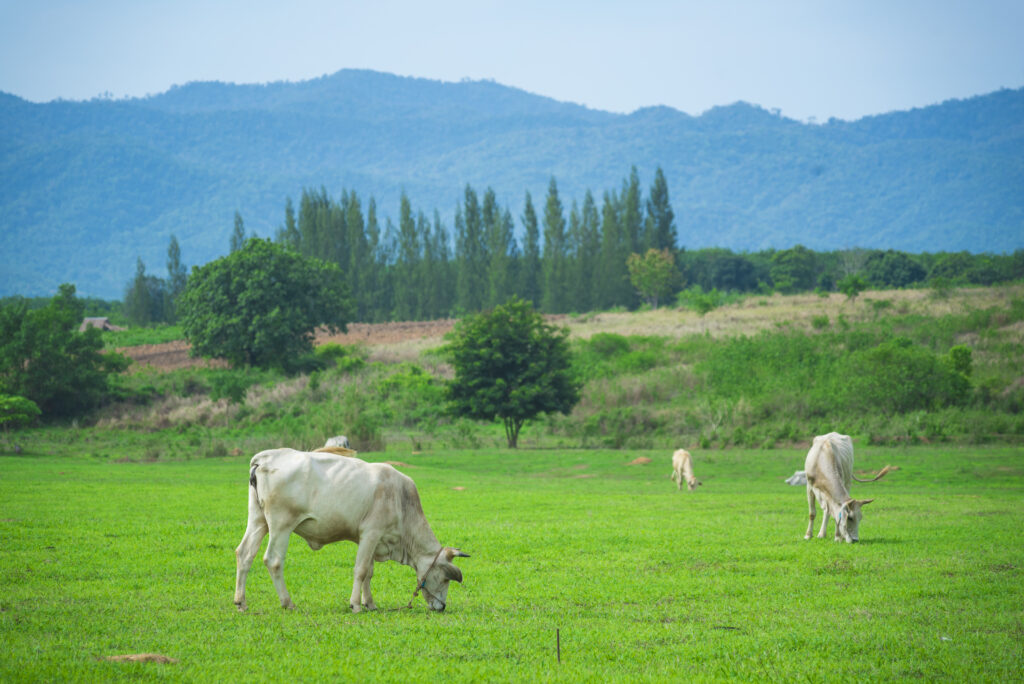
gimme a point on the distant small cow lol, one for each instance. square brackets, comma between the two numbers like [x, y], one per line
[682, 469]
[797, 478]
[338, 441]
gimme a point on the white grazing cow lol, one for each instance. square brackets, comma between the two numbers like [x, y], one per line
[829, 471]
[338, 441]
[324, 498]
[682, 469]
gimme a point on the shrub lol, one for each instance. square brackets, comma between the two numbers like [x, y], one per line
[897, 377]
[232, 386]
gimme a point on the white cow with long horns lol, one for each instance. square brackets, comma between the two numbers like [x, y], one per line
[829, 472]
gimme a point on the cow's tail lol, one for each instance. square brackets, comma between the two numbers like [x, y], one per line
[879, 476]
[252, 482]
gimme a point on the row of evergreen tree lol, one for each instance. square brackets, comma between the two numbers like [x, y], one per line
[560, 260]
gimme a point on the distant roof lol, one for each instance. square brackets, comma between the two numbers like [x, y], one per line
[101, 322]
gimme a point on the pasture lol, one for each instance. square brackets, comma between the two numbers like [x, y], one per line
[100, 558]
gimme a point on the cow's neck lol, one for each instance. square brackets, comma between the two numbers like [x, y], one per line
[423, 554]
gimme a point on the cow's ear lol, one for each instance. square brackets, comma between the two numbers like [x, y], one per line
[450, 553]
[452, 573]
[865, 502]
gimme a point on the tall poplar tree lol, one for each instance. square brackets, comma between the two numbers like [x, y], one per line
[238, 234]
[660, 227]
[471, 254]
[590, 250]
[407, 266]
[376, 294]
[359, 271]
[177, 277]
[631, 218]
[613, 285]
[553, 258]
[529, 271]
[501, 251]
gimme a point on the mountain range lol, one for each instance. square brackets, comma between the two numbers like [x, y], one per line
[89, 187]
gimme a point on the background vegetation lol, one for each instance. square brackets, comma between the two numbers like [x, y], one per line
[128, 174]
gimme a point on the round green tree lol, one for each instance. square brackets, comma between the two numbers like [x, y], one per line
[16, 412]
[261, 305]
[511, 365]
[44, 358]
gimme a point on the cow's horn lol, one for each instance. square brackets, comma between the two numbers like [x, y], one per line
[456, 553]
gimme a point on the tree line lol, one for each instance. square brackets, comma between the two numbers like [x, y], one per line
[563, 257]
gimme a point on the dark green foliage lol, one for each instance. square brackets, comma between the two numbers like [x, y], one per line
[530, 271]
[146, 299]
[345, 358]
[660, 227]
[897, 376]
[44, 358]
[260, 305]
[230, 386]
[794, 270]
[852, 285]
[511, 365]
[177, 277]
[694, 297]
[893, 269]
[554, 260]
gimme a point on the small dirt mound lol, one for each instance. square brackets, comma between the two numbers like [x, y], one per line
[458, 489]
[398, 464]
[141, 658]
[641, 460]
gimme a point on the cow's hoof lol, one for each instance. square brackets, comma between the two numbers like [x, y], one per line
[241, 607]
[288, 606]
[370, 606]
[807, 536]
[355, 609]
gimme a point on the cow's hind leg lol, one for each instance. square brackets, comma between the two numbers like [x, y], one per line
[255, 530]
[361, 576]
[277, 547]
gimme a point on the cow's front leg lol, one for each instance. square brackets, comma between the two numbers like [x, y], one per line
[826, 512]
[813, 509]
[361, 575]
[277, 547]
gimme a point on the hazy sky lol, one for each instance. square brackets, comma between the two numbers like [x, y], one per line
[813, 58]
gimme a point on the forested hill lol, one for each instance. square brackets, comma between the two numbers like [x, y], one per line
[89, 186]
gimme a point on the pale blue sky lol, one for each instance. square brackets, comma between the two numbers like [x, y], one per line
[808, 58]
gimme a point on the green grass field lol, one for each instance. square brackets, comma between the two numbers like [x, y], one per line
[99, 558]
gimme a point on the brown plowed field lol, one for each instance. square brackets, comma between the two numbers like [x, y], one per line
[395, 336]
[406, 340]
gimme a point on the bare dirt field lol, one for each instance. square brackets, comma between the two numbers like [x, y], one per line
[406, 340]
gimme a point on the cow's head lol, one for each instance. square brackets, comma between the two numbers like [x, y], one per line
[850, 514]
[435, 583]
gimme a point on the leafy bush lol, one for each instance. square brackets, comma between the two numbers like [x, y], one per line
[346, 358]
[16, 412]
[897, 377]
[232, 386]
